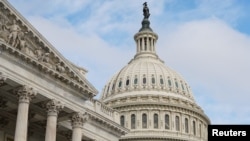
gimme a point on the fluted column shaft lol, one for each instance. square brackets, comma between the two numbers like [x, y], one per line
[78, 120]
[25, 94]
[53, 108]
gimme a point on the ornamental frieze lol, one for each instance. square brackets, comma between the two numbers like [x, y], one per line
[19, 36]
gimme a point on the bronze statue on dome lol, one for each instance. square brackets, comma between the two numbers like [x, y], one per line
[145, 11]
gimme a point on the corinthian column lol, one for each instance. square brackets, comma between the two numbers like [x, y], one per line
[25, 94]
[78, 120]
[53, 108]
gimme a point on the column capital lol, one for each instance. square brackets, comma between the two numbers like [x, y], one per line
[78, 119]
[25, 94]
[53, 107]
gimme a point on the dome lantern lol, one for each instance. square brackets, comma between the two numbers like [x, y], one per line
[145, 39]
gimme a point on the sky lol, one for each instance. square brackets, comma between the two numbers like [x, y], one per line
[206, 41]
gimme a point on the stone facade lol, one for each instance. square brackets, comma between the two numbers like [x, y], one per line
[43, 96]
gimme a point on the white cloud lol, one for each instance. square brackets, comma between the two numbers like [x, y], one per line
[215, 57]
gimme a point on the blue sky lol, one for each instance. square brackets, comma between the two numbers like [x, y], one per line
[206, 41]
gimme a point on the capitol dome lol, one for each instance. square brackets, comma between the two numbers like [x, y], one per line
[154, 101]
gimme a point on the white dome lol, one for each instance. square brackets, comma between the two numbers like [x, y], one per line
[147, 74]
[153, 100]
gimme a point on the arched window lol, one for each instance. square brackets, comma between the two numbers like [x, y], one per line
[135, 80]
[120, 84]
[167, 121]
[161, 80]
[144, 80]
[194, 128]
[153, 80]
[133, 121]
[177, 123]
[127, 82]
[182, 87]
[186, 125]
[169, 82]
[144, 121]
[122, 121]
[155, 120]
[176, 84]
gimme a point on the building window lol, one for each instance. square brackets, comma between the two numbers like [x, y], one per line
[182, 87]
[135, 80]
[133, 121]
[120, 84]
[145, 43]
[127, 82]
[161, 80]
[153, 80]
[144, 120]
[155, 120]
[176, 84]
[169, 82]
[144, 80]
[177, 123]
[194, 128]
[122, 120]
[186, 125]
[167, 121]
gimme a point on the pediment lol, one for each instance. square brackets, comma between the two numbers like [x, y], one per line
[19, 36]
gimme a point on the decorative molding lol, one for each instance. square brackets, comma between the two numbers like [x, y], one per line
[53, 107]
[25, 94]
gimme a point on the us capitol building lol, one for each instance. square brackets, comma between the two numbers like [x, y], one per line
[44, 96]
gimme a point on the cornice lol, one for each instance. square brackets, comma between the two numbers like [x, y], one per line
[30, 41]
[102, 122]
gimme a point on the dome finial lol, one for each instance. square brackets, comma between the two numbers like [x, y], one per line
[145, 10]
[145, 21]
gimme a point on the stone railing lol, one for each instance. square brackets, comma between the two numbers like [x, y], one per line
[105, 111]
